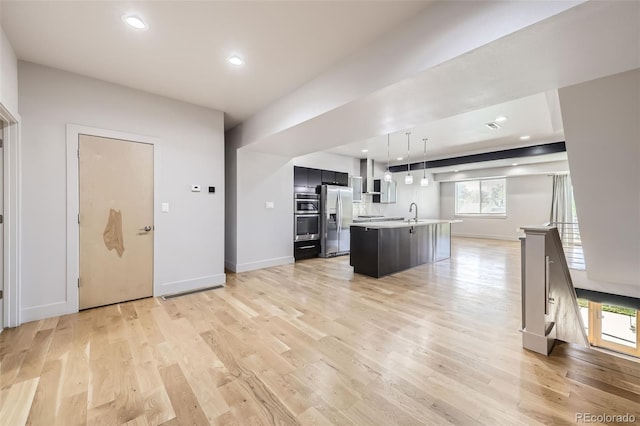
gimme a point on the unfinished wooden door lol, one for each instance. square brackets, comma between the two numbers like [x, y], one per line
[116, 220]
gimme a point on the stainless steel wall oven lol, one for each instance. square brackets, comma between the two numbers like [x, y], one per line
[307, 227]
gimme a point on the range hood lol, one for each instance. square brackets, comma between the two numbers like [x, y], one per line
[366, 171]
[381, 191]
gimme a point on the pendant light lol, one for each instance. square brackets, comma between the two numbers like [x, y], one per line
[424, 181]
[387, 174]
[408, 179]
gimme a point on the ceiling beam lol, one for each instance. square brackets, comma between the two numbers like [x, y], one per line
[528, 151]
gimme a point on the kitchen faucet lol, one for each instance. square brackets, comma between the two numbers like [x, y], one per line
[411, 209]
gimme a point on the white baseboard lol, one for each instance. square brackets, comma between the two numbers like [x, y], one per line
[63, 308]
[252, 266]
[36, 313]
[191, 284]
[488, 237]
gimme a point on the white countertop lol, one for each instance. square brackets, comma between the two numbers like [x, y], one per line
[369, 219]
[403, 224]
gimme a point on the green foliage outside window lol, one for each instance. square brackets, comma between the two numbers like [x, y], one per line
[584, 303]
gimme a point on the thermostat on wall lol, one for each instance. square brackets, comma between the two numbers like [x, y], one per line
[195, 188]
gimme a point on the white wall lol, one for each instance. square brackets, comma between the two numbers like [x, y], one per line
[264, 237]
[329, 161]
[528, 203]
[602, 129]
[8, 76]
[189, 249]
[426, 198]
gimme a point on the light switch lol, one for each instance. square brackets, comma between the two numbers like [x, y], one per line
[195, 188]
[164, 207]
[269, 205]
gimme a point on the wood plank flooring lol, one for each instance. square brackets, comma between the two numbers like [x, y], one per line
[313, 344]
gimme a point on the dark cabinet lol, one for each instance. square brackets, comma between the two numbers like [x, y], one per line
[376, 188]
[328, 177]
[335, 178]
[394, 249]
[306, 249]
[311, 178]
[364, 251]
[300, 176]
[382, 251]
[342, 179]
[315, 177]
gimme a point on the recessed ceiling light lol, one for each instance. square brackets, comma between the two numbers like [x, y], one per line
[525, 138]
[500, 119]
[235, 60]
[515, 164]
[134, 21]
[399, 158]
[456, 171]
[365, 150]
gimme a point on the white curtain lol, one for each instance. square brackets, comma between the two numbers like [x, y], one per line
[562, 207]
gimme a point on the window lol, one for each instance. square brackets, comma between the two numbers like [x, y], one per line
[485, 197]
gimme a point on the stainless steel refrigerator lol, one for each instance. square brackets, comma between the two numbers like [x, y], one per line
[336, 215]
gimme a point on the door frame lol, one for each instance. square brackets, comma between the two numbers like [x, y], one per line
[73, 201]
[12, 214]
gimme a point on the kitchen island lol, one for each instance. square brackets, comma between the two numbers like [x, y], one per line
[383, 248]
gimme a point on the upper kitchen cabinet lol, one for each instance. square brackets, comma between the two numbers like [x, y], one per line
[328, 177]
[300, 176]
[342, 179]
[335, 178]
[315, 177]
[311, 178]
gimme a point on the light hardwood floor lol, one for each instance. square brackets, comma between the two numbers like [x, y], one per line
[312, 343]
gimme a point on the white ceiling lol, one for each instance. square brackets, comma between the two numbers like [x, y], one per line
[183, 54]
[537, 116]
[287, 44]
[516, 75]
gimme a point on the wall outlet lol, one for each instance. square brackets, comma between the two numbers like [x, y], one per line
[269, 205]
[195, 188]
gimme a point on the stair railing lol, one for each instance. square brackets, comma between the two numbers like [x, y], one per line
[549, 303]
